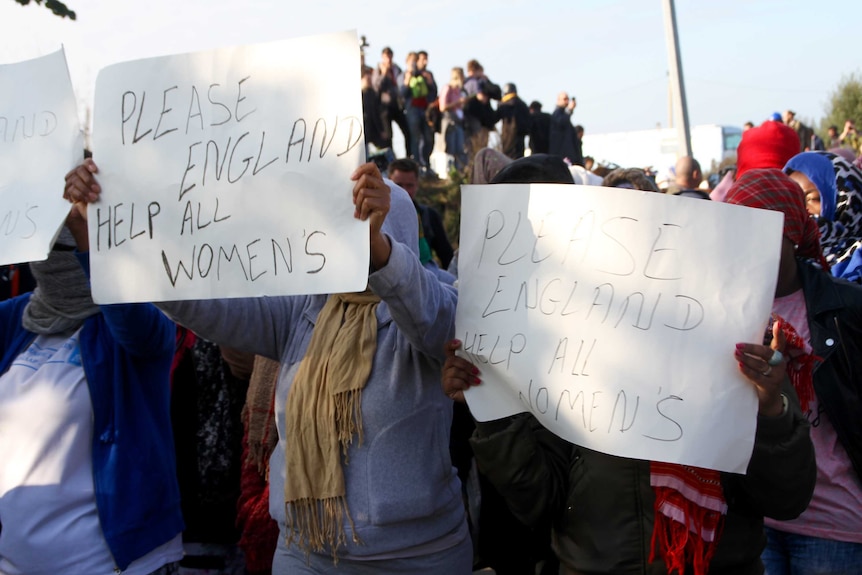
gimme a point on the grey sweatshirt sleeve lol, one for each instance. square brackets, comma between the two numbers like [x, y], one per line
[422, 307]
[527, 464]
[254, 325]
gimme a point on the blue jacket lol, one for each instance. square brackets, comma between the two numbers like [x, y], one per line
[126, 352]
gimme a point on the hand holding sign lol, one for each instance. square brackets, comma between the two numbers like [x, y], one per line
[81, 185]
[81, 189]
[766, 370]
[459, 374]
[371, 202]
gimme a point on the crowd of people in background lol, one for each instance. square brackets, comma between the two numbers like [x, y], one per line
[464, 112]
[206, 446]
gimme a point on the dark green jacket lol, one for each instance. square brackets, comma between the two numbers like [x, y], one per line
[601, 507]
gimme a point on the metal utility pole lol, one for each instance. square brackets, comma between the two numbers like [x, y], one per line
[677, 86]
[669, 103]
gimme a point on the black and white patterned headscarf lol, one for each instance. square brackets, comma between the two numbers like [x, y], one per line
[841, 236]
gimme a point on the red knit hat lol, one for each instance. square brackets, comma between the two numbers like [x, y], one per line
[769, 145]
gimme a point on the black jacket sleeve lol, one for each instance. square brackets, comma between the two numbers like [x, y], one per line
[527, 464]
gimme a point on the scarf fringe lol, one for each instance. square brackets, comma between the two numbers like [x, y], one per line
[258, 457]
[314, 524]
[681, 544]
[348, 418]
[801, 370]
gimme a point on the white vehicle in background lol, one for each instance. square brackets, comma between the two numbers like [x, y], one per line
[658, 148]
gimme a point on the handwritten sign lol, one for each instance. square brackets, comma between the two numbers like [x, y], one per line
[612, 315]
[226, 173]
[40, 141]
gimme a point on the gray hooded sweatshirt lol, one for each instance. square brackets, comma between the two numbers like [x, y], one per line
[402, 492]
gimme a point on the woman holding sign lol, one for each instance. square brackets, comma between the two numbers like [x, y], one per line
[613, 515]
[89, 480]
[824, 336]
[617, 515]
[361, 479]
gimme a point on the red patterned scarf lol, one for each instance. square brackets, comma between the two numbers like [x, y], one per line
[689, 504]
[774, 190]
[800, 365]
[689, 515]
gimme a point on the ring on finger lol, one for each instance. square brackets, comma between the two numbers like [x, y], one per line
[767, 372]
[776, 358]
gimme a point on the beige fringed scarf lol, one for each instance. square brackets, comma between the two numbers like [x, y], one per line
[322, 416]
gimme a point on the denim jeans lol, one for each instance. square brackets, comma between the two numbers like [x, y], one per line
[791, 554]
[453, 131]
[421, 136]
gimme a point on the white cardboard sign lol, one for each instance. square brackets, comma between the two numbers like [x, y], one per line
[40, 141]
[612, 315]
[226, 173]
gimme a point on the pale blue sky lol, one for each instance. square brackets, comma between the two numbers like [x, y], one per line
[742, 59]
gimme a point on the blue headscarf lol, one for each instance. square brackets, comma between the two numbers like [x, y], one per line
[819, 169]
